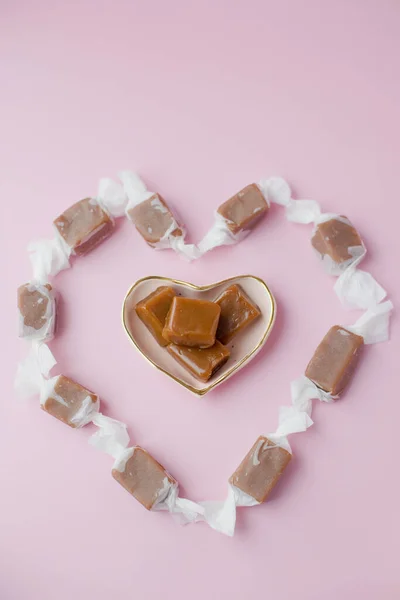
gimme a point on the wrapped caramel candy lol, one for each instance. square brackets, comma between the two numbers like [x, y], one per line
[192, 322]
[153, 311]
[335, 360]
[37, 311]
[261, 468]
[139, 473]
[69, 401]
[84, 225]
[143, 477]
[154, 219]
[78, 230]
[235, 218]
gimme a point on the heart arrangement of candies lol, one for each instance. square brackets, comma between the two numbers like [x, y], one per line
[187, 331]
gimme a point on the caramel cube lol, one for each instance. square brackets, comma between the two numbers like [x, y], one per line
[153, 219]
[237, 312]
[145, 478]
[260, 469]
[153, 310]
[68, 401]
[338, 239]
[202, 363]
[84, 225]
[334, 361]
[245, 209]
[37, 311]
[192, 322]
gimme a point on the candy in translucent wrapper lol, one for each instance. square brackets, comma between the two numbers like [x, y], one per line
[235, 218]
[68, 401]
[153, 218]
[221, 516]
[84, 225]
[36, 311]
[60, 396]
[335, 360]
[336, 241]
[139, 473]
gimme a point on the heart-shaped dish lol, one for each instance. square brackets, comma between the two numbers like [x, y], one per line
[243, 347]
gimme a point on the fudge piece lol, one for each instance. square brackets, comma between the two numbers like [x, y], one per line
[192, 322]
[144, 478]
[153, 310]
[260, 469]
[237, 312]
[69, 401]
[245, 209]
[153, 219]
[338, 239]
[37, 311]
[202, 363]
[84, 225]
[334, 361]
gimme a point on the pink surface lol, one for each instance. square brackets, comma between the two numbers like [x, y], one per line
[201, 100]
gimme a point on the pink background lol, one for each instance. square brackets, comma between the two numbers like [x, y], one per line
[202, 98]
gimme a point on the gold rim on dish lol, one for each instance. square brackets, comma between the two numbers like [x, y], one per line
[201, 288]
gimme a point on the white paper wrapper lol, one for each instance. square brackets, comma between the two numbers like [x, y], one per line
[373, 325]
[48, 257]
[220, 235]
[358, 289]
[46, 332]
[137, 192]
[32, 372]
[112, 197]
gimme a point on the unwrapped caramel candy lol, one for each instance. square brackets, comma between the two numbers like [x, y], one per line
[202, 363]
[144, 478]
[245, 209]
[334, 361]
[237, 312]
[338, 239]
[69, 401]
[84, 225]
[153, 310]
[192, 322]
[154, 220]
[261, 468]
[37, 311]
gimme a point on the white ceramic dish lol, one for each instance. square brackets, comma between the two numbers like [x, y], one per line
[243, 347]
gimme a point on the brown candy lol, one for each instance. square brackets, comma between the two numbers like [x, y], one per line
[245, 209]
[237, 312]
[145, 478]
[66, 398]
[334, 361]
[261, 468]
[153, 219]
[36, 304]
[192, 322]
[336, 238]
[153, 310]
[84, 225]
[202, 363]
